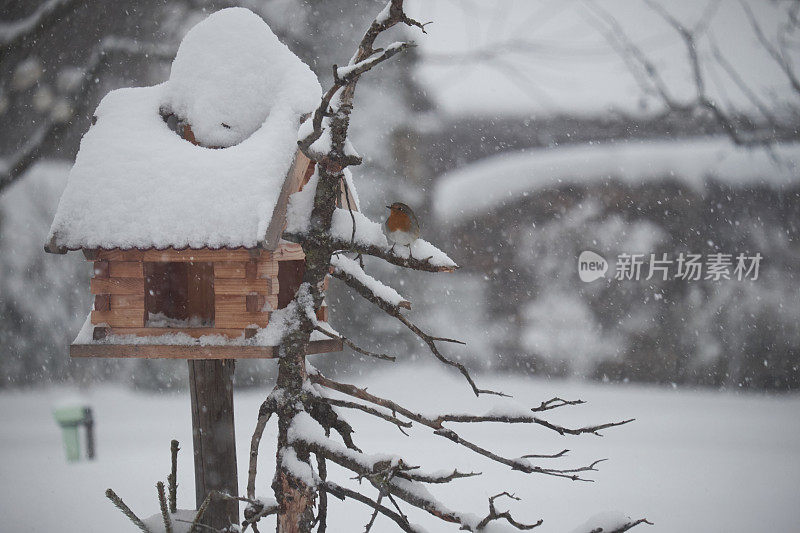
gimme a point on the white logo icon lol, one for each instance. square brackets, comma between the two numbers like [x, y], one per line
[591, 266]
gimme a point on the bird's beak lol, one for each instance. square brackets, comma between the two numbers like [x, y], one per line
[388, 207]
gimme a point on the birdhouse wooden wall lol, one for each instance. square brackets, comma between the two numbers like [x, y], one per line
[197, 292]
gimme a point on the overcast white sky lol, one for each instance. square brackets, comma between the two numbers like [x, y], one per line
[568, 65]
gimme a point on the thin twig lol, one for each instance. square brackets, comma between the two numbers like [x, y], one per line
[162, 502]
[117, 501]
[355, 347]
[322, 512]
[625, 527]
[394, 311]
[172, 479]
[264, 413]
[367, 409]
[342, 492]
[494, 515]
[200, 512]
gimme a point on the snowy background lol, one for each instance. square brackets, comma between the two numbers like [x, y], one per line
[693, 460]
[522, 135]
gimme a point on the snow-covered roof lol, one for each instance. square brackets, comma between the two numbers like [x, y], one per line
[136, 183]
[478, 188]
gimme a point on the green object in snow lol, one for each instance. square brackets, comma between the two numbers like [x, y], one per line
[70, 419]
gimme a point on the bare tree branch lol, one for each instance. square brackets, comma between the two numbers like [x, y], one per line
[494, 515]
[367, 409]
[162, 501]
[430, 340]
[15, 165]
[342, 493]
[266, 410]
[353, 346]
[15, 34]
[299, 404]
[740, 83]
[255, 511]
[650, 80]
[323, 413]
[322, 511]
[555, 403]
[330, 167]
[779, 58]
[361, 62]
[119, 504]
[625, 527]
[172, 478]
[408, 491]
[521, 464]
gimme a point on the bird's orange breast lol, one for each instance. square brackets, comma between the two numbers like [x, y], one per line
[398, 221]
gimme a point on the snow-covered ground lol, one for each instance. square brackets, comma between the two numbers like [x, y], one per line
[693, 461]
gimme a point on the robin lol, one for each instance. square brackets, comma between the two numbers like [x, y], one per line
[402, 226]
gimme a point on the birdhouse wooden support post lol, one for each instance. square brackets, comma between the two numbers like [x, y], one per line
[213, 437]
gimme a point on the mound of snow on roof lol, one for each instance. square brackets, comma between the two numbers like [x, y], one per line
[135, 183]
[504, 178]
[229, 72]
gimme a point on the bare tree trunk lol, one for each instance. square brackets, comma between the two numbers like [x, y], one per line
[295, 498]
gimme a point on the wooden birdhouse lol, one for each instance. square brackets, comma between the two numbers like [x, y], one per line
[179, 197]
[199, 292]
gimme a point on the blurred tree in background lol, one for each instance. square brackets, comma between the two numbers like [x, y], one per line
[518, 287]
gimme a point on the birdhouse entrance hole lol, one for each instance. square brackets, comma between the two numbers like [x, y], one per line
[290, 277]
[179, 295]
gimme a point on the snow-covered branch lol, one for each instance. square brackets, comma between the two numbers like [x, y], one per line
[346, 74]
[354, 346]
[348, 266]
[314, 215]
[429, 340]
[306, 416]
[369, 410]
[354, 232]
[365, 58]
[436, 423]
[343, 492]
[422, 255]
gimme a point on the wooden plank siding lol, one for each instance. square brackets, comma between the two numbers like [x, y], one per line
[241, 319]
[293, 183]
[192, 332]
[289, 251]
[233, 311]
[102, 302]
[238, 269]
[245, 288]
[170, 255]
[198, 351]
[126, 269]
[229, 269]
[119, 294]
[127, 301]
[242, 286]
[117, 286]
[123, 318]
